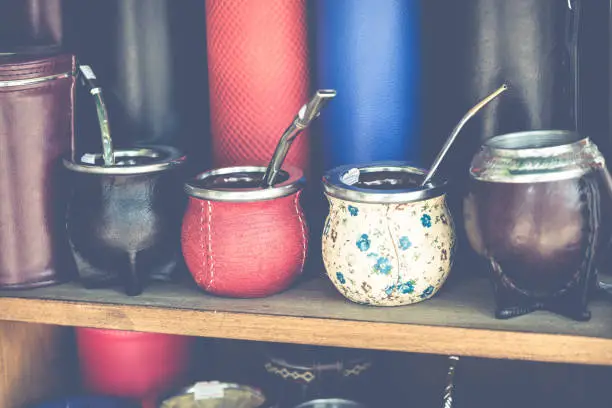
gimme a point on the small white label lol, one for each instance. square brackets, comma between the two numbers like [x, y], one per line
[208, 390]
[87, 72]
[88, 158]
[351, 177]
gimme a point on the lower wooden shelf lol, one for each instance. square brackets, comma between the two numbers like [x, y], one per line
[459, 320]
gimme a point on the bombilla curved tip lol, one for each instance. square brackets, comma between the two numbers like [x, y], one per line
[305, 116]
[473, 111]
[313, 108]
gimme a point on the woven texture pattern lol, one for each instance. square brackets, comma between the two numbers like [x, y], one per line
[132, 364]
[245, 249]
[258, 73]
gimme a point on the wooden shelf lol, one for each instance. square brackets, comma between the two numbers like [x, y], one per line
[457, 321]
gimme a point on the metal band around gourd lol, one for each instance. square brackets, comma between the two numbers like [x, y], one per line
[34, 81]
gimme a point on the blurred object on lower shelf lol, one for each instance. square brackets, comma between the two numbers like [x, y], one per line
[89, 402]
[331, 403]
[296, 373]
[214, 394]
[133, 364]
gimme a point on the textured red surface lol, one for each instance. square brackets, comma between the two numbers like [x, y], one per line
[258, 74]
[245, 249]
[132, 364]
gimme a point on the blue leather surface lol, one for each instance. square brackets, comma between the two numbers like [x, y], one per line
[368, 50]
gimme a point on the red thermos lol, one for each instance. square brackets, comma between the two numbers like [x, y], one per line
[131, 364]
[242, 240]
[258, 75]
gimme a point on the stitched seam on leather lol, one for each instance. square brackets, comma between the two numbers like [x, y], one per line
[203, 253]
[299, 214]
[211, 259]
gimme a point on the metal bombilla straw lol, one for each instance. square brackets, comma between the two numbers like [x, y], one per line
[303, 119]
[458, 128]
[89, 80]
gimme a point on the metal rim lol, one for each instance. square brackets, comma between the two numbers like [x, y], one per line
[331, 401]
[255, 392]
[334, 185]
[523, 144]
[294, 183]
[166, 157]
[536, 156]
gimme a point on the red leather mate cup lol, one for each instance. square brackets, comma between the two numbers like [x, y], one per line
[243, 240]
[130, 364]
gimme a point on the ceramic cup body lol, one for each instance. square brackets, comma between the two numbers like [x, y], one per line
[246, 247]
[388, 254]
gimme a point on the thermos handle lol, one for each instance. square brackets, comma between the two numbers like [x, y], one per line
[450, 383]
[88, 78]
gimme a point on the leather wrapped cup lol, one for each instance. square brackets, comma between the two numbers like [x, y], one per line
[123, 221]
[536, 213]
[242, 240]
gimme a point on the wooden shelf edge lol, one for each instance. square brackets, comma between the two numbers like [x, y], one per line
[542, 347]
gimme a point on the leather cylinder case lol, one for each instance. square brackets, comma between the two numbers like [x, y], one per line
[532, 45]
[28, 23]
[136, 365]
[258, 73]
[36, 105]
[150, 59]
[368, 50]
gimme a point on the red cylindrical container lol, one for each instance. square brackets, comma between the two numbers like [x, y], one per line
[131, 364]
[240, 239]
[258, 74]
[36, 124]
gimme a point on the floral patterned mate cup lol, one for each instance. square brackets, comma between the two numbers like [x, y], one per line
[387, 241]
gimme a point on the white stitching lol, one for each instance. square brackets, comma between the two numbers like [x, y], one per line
[198, 276]
[211, 259]
[297, 210]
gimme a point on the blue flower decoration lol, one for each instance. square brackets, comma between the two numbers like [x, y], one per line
[427, 292]
[363, 243]
[340, 277]
[426, 220]
[382, 266]
[353, 210]
[404, 243]
[407, 287]
[389, 290]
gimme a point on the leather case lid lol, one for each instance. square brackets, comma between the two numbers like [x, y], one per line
[28, 66]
